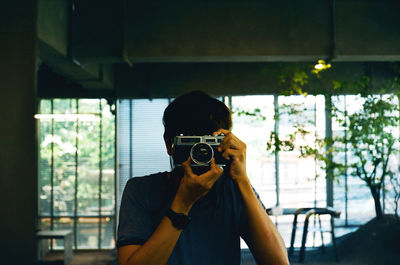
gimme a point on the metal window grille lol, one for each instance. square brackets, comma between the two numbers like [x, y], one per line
[77, 171]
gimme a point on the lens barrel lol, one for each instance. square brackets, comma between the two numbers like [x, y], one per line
[201, 153]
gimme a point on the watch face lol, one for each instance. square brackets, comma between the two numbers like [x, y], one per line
[179, 220]
[182, 220]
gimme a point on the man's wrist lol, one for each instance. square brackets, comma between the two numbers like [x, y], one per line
[243, 184]
[242, 181]
[179, 205]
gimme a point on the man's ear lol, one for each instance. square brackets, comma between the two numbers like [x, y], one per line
[168, 145]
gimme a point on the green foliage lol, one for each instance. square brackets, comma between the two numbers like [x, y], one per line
[295, 78]
[76, 140]
[369, 132]
[371, 141]
[256, 113]
[369, 138]
[275, 144]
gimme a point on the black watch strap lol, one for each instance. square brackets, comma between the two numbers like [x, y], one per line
[179, 220]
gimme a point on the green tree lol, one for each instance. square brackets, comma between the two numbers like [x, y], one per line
[372, 142]
[369, 138]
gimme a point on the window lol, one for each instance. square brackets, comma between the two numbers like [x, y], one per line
[280, 179]
[77, 177]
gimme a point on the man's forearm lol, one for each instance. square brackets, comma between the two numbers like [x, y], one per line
[158, 248]
[267, 244]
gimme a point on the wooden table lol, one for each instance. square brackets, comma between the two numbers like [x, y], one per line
[65, 235]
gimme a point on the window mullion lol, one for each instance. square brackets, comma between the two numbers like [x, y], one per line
[100, 168]
[76, 178]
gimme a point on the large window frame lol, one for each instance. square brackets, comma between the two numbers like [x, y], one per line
[78, 220]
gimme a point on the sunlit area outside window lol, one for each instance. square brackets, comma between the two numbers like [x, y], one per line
[77, 178]
[302, 182]
[351, 195]
[350, 192]
[254, 131]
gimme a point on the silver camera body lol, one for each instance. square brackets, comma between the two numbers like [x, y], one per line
[201, 149]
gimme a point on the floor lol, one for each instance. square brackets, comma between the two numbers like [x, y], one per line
[108, 257]
[82, 257]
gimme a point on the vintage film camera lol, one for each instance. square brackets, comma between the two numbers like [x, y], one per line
[200, 148]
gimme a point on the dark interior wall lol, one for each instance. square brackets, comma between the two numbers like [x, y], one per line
[18, 152]
[163, 80]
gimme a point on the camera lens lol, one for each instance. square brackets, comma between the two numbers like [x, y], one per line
[201, 153]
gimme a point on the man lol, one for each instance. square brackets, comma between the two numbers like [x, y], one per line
[189, 218]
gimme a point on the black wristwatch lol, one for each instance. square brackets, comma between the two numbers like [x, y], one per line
[179, 220]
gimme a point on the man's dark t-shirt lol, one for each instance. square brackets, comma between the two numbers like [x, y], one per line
[212, 236]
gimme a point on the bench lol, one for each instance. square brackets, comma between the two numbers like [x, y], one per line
[65, 235]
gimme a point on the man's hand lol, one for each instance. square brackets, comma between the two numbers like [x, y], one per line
[192, 186]
[233, 149]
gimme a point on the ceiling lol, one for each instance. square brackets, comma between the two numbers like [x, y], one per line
[150, 49]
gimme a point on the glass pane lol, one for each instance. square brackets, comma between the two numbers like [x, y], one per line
[302, 182]
[88, 168]
[350, 192]
[254, 131]
[64, 140]
[44, 223]
[108, 161]
[45, 168]
[107, 233]
[64, 106]
[88, 106]
[63, 223]
[88, 233]
[108, 192]
[45, 106]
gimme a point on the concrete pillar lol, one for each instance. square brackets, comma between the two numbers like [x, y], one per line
[18, 148]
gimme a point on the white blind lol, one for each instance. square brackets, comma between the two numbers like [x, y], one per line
[141, 148]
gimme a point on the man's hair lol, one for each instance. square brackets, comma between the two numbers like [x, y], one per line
[195, 113]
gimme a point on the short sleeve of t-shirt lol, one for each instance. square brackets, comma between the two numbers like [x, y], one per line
[135, 223]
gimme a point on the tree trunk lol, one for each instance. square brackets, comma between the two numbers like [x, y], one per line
[376, 195]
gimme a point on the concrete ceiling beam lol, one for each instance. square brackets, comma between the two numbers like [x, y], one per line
[97, 31]
[262, 31]
[163, 80]
[54, 47]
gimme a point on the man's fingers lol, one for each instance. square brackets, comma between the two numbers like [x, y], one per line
[186, 166]
[215, 167]
[219, 131]
[228, 154]
[214, 173]
[230, 142]
[233, 155]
